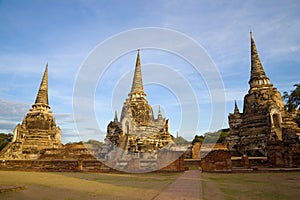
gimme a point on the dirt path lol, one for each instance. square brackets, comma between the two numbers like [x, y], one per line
[188, 186]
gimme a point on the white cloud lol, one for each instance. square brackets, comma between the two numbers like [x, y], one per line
[11, 113]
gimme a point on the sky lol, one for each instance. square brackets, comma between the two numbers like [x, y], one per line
[71, 36]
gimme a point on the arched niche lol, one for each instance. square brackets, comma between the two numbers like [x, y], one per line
[276, 120]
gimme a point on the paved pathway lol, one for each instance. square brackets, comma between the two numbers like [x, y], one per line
[187, 187]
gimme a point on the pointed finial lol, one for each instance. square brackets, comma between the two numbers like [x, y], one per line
[137, 84]
[159, 115]
[42, 96]
[258, 76]
[138, 60]
[236, 108]
[116, 117]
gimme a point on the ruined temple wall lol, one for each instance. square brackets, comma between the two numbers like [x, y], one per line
[196, 150]
[249, 162]
[259, 105]
[217, 161]
[175, 166]
[234, 121]
[165, 157]
[233, 142]
[79, 158]
[260, 100]
[54, 165]
[72, 165]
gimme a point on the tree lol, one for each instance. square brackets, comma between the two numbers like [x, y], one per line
[292, 101]
[198, 138]
[216, 137]
[223, 135]
[212, 137]
[5, 139]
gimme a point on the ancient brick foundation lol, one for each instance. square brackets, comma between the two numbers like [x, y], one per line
[249, 162]
[217, 161]
[91, 165]
[54, 165]
[282, 155]
[176, 165]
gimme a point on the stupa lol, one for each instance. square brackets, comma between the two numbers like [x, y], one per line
[138, 133]
[38, 130]
[264, 123]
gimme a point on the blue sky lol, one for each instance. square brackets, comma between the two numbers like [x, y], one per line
[64, 33]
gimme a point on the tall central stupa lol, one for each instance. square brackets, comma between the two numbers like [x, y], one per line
[138, 133]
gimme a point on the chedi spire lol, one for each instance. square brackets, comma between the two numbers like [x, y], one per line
[38, 130]
[116, 117]
[236, 108]
[42, 96]
[137, 84]
[258, 76]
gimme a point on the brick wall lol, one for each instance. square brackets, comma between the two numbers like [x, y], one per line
[82, 165]
[216, 161]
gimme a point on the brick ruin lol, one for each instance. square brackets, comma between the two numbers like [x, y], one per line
[38, 130]
[200, 150]
[264, 128]
[217, 161]
[138, 142]
[138, 134]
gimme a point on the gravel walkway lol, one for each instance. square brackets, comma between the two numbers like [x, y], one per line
[188, 186]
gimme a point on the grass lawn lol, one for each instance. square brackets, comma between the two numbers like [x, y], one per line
[251, 186]
[50, 185]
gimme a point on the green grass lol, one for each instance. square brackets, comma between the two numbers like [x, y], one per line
[73, 186]
[252, 186]
[48, 185]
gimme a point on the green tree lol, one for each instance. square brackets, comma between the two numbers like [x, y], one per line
[292, 102]
[223, 135]
[212, 137]
[292, 99]
[5, 139]
[198, 138]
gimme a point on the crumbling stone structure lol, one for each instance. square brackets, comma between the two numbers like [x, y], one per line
[138, 133]
[264, 125]
[38, 130]
[200, 150]
[217, 161]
